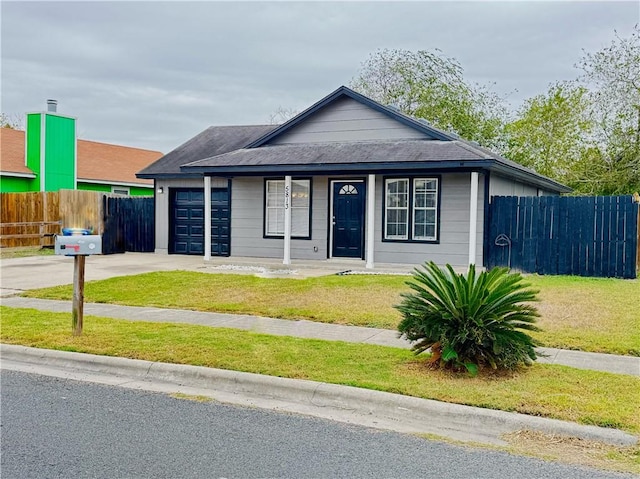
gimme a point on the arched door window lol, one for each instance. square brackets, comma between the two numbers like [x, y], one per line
[348, 190]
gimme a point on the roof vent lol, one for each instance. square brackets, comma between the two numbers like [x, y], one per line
[424, 122]
[52, 106]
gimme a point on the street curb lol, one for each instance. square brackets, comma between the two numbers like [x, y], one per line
[343, 403]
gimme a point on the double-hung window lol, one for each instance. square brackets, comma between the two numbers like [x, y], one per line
[300, 201]
[397, 209]
[411, 209]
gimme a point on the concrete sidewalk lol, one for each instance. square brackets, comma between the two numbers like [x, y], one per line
[308, 329]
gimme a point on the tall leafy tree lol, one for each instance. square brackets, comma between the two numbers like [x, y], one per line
[431, 86]
[612, 75]
[551, 132]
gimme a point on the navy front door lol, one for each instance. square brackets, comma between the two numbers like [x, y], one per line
[348, 219]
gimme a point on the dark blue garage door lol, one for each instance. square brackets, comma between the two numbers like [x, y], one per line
[187, 221]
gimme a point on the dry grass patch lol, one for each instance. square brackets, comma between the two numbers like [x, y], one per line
[563, 449]
[592, 314]
[572, 450]
[192, 397]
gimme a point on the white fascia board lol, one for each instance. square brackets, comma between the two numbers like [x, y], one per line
[52, 114]
[115, 183]
[17, 175]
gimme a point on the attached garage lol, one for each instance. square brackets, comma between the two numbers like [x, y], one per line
[187, 221]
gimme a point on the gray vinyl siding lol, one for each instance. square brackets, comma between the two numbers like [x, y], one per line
[347, 120]
[453, 247]
[162, 205]
[248, 211]
[247, 223]
[501, 186]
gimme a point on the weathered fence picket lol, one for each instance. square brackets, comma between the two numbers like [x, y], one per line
[28, 219]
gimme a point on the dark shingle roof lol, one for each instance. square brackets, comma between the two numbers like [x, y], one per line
[365, 157]
[215, 140]
[245, 150]
[334, 153]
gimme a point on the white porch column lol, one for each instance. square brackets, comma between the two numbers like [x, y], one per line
[207, 218]
[371, 206]
[473, 218]
[287, 220]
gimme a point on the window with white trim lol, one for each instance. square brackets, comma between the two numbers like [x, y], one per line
[397, 209]
[300, 208]
[425, 208]
[120, 190]
[411, 209]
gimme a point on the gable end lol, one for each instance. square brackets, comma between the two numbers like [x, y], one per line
[317, 125]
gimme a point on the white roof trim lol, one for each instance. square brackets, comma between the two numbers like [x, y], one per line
[17, 175]
[115, 183]
[52, 113]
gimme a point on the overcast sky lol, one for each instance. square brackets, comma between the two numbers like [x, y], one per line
[154, 74]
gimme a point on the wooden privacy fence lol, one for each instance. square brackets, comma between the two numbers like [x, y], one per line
[28, 219]
[585, 236]
[31, 219]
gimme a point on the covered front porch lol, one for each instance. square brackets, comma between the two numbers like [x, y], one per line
[348, 216]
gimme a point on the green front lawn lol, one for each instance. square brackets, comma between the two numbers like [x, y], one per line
[589, 314]
[587, 397]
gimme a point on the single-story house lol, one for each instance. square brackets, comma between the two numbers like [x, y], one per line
[48, 157]
[346, 178]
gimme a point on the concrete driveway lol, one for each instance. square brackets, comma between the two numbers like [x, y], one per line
[32, 272]
[19, 274]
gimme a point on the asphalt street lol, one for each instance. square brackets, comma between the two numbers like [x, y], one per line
[60, 428]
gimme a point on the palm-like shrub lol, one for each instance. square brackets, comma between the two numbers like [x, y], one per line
[470, 321]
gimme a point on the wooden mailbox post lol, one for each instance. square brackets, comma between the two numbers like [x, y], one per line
[78, 244]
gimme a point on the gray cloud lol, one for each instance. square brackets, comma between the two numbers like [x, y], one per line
[153, 74]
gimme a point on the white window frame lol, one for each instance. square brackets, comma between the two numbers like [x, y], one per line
[300, 209]
[425, 208]
[118, 190]
[395, 208]
[411, 209]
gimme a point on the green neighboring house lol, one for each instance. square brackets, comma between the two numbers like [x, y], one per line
[49, 157]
